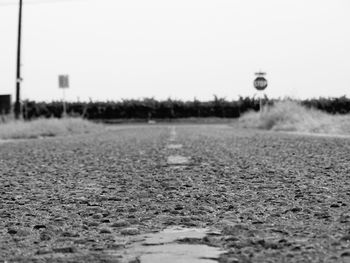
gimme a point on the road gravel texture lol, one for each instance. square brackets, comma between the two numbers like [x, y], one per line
[271, 197]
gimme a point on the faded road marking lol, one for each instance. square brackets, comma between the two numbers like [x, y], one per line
[172, 134]
[164, 247]
[173, 131]
[174, 146]
[177, 160]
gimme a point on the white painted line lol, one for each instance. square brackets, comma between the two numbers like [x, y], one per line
[174, 146]
[172, 140]
[173, 131]
[177, 160]
[164, 247]
[172, 134]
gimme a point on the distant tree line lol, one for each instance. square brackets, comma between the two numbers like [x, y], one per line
[339, 105]
[150, 108]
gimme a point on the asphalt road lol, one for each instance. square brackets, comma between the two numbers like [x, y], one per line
[272, 197]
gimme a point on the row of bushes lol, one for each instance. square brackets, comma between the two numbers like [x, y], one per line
[142, 109]
[153, 109]
[339, 105]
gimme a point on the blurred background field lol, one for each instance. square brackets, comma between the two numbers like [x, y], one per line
[46, 128]
[42, 119]
[293, 116]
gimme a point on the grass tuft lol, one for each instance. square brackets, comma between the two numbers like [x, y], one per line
[46, 128]
[291, 116]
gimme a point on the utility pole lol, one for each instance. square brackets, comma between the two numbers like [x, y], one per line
[18, 75]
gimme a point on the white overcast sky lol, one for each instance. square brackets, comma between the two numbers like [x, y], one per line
[183, 49]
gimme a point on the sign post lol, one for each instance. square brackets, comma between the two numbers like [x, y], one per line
[5, 106]
[63, 83]
[260, 83]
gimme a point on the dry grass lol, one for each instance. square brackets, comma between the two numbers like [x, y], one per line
[46, 127]
[291, 116]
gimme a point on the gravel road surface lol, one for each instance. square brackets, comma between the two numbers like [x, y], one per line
[270, 197]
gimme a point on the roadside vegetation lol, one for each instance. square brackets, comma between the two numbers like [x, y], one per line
[42, 119]
[144, 109]
[293, 116]
[150, 108]
[46, 128]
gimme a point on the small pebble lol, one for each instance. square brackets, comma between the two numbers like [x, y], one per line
[12, 231]
[120, 223]
[23, 232]
[135, 260]
[97, 216]
[131, 231]
[45, 236]
[65, 250]
[179, 207]
[105, 231]
[70, 234]
[92, 223]
[39, 227]
[105, 213]
[296, 209]
[345, 254]
[345, 238]
[43, 252]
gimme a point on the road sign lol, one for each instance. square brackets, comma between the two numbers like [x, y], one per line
[63, 81]
[5, 104]
[260, 83]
